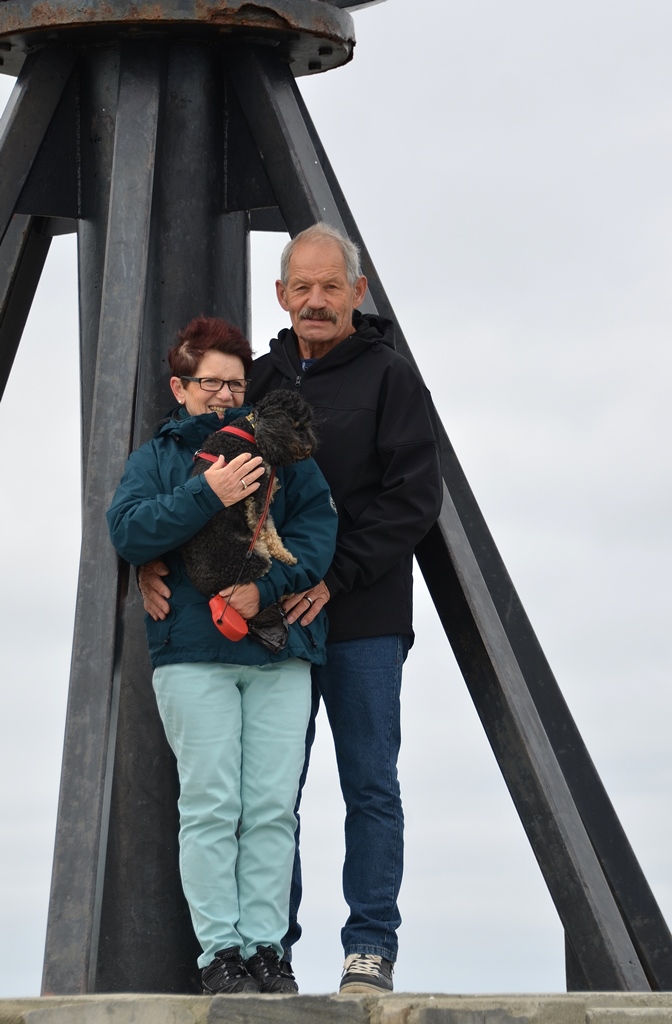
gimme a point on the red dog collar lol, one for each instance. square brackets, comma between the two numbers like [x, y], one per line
[224, 430]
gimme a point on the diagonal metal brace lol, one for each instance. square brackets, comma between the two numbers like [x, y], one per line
[86, 780]
[267, 93]
[22, 254]
[530, 767]
[25, 121]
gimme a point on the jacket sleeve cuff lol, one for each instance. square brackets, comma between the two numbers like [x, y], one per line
[204, 496]
[266, 590]
[331, 583]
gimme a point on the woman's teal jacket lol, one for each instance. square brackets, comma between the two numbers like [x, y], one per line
[158, 506]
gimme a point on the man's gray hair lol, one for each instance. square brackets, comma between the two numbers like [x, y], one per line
[322, 232]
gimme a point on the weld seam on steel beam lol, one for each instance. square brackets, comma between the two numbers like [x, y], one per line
[72, 937]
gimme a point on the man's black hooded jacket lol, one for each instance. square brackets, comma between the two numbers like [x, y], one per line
[379, 455]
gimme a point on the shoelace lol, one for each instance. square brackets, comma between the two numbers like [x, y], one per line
[363, 963]
[269, 963]
[230, 965]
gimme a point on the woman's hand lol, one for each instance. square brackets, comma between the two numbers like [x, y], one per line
[245, 599]
[235, 480]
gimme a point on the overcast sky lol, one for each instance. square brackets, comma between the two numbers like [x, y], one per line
[510, 168]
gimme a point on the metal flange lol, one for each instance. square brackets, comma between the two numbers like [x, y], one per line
[354, 5]
[312, 35]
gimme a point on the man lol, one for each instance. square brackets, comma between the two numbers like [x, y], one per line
[379, 455]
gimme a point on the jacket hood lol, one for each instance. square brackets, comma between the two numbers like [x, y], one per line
[370, 331]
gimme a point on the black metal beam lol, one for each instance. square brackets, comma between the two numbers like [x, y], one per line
[198, 264]
[22, 254]
[269, 219]
[529, 765]
[637, 904]
[98, 94]
[79, 857]
[266, 91]
[200, 259]
[25, 121]
[147, 942]
[246, 184]
[52, 187]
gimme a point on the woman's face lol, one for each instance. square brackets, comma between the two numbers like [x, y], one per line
[197, 401]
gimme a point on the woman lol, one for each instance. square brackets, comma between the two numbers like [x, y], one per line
[235, 715]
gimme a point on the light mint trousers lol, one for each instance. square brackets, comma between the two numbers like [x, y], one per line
[238, 733]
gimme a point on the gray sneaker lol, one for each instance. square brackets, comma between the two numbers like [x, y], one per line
[363, 972]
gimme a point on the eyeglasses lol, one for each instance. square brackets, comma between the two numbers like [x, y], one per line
[215, 384]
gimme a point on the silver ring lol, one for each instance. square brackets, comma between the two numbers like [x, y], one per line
[308, 599]
[244, 485]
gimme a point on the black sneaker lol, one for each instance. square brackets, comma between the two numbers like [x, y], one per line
[271, 973]
[363, 972]
[227, 974]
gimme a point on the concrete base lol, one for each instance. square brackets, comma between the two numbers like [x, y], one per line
[401, 1008]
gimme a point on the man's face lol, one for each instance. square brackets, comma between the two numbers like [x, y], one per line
[318, 296]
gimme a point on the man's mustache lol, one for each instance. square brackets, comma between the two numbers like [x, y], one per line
[318, 314]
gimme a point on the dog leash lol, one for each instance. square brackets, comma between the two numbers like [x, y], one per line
[227, 620]
[239, 626]
[200, 454]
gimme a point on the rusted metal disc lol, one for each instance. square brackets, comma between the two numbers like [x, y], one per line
[354, 5]
[313, 35]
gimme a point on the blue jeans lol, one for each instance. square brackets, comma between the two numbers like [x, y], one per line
[360, 686]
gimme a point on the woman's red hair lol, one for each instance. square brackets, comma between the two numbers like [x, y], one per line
[204, 334]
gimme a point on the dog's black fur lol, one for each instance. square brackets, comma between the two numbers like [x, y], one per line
[284, 431]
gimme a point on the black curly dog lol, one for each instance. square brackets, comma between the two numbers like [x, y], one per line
[284, 433]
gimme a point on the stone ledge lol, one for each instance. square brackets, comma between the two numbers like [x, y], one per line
[400, 1008]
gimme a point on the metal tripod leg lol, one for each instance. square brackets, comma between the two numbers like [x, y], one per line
[23, 248]
[528, 762]
[79, 858]
[198, 265]
[267, 93]
[643, 918]
[268, 96]
[25, 121]
[22, 254]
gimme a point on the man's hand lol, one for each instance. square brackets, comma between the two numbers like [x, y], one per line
[245, 599]
[314, 600]
[155, 592]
